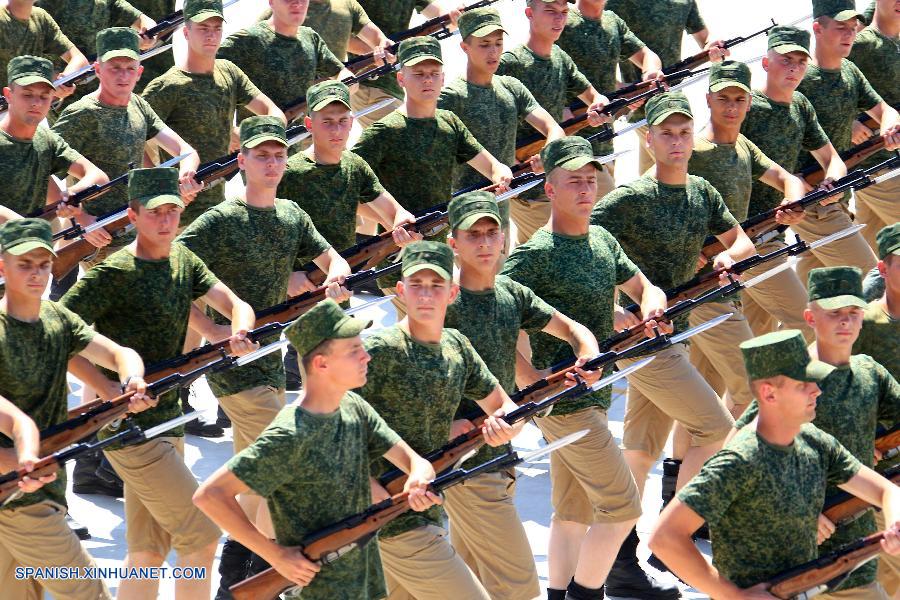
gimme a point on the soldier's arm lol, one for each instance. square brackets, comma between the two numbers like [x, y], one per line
[420, 471]
[878, 491]
[87, 174]
[263, 105]
[126, 362]
[142, 24]
[497, 431]
[832, 164]
[485, 163]
[583, 343]
[443, 7]
[648, 62]
[737, 247]
[241, 315]
[173, 143]
[595, 102]
[889, 120]
[18, 426]
[336, 270]
[541, 120]
[388, 212]
[652, 301]
[371, 39]
[792, 187]
[75, 60]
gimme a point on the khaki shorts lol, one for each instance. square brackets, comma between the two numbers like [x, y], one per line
[590, 482]
[670, 389]
[877, 207]
[159, 512]
[715, 352]
[38, 536]
[777, 302]
[486, 531]
[421, 564]
[873, 591]
[366, 96]
[251, 411]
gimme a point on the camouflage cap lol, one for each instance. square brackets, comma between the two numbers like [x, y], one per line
[729, 73]
[414, 50]
[24, 235]
[839, 10]
[836, 287]
[118, 41]
[570, 153]
[436, 256]
[321, 94]
[662, 106]
[465, 210]
[782, 353]
[324, 321]
[154, 187]
[27, 69]
[262, 128]
[784, 39]
[888, 241]
[480, 22]
[201, 10]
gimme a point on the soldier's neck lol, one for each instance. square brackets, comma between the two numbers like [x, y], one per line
[570, 225]
[325, 155]
[784, 95]
[259, 196]
[719, 133]
[836, 356]
[476, 279]
[105, 97]
[542, 46]
[775, 430]
[20, 9]
[199, 63]
[282, 28]
[426, 332]
[17, 129]
[478, 76]
[671, 174]
[320, 398]
[891, 303]
[21, 307]
[888, 25]
[146, 250]
[416, 109]
[825, 58]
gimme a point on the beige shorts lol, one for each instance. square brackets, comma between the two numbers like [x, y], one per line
[486, 531]
[715, 352]
[777, 302]
[877, 207]
[38, 536]
[589, 478]
[251, 411]
[159, 512]
[366, 96]
[873, 591]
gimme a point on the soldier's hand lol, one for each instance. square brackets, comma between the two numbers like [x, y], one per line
[723, 262]
[496, 431]
[891, 541]
[596, 118]
[240, 344]
[655, 323]
[501, 176]
[401, 235]
[589, 377]
[828, 184]
[293, 565]
[460, 427]
[188, 187]
[454, 15]
[757, 592]
[377, 490]
[892, 137]
[537, 165]
[825, 529]
[789, 216]
[145, 42]
[702, 261]
[421, 474]
[299, 283]
[98, 238]
[64, 91]
[717, 50]
[336, 291]
[624, 319]
[878, 456]
[32, 484]
[234, 143]
[860, 132]
[139, 401]
[381, 55]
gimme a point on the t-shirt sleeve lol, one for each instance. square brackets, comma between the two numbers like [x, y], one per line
[722, 480]
[536, 313]
[720, 218]
[889, 398]
[381, 437]
[467, 147]
[199, 237]
[55, 41]
[814, 137]
[370, 186]
[449, 100]
[158, 98]
[122, 13]
[371, 143]
[81, 333]
[625, 267]
[525, 100]
[694, 21]
[759, 162]
[631, 43]
[842, 465]
[359, 16]
[244, 88]
[867, 98]
[310, 242]
[509, 65]
[479, 380]
[154, 123]
[327, 64]
[257, 464]
[576, 82]
[90, 297]
[63, 154]
[203, 277]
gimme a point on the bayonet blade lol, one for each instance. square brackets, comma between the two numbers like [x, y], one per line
[543, 451]
[688, 333]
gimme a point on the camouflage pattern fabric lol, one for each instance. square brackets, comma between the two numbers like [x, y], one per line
[330, 193]
[577, 276]
[159, 64]
[144, 305]
[780, 131]
[873, 285]
[869, 13]
[417, 389]
[491, 319]
[753, 536]
[111, 137]
[39, 36]
[303, 457]
[880, 338]
[878, 58]
[252, 250]
[33, 361]
[335, 20]
[27, 165]
[200, 107]
[597, 47]
[80, 20]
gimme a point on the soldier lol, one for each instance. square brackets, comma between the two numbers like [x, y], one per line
[419, 373]
[551, 76]
[781, 456]
[576, 266]
[252, 243]
[142, 295]
[839, 91]
[781, 123]
[875, 52]
[490, 310]
[159, 64]
[198, 97]
[37, 338]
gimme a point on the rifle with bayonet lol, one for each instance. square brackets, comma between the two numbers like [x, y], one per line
[328, 544]
[166, 26]
[887, 442]
[843, 508]
[297, 107]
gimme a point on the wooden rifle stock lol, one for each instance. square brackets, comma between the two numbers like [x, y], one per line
[814, 174]
[887, 441]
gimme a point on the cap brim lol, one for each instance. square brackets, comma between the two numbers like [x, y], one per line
[573, 164]
[488, 30]
[788, 48]
[422, 266]
[120, 52]
[727, 83]
[672, 111]
[31, 79]
[25, 247]
[349, 327]
[206, 14]
[420, 59]
[259, 139]
[328, 100]
[470, 220]
[817, 370]
[164, 199]
[844, 301]
[846, 15]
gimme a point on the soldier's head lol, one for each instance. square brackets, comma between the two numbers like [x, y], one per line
[118, 65]
[787, 57]
[729, 93]
[329, 346]
[426, 284]
[422, 68]
[203, 23]
[155, 204]
[836, 306]
[27, 256]
[291, 13]
[888, 262]
[888, 9]
[30, 89]
[482, 33]
[834, 25]
[264, 151]
[547, 18]
[571, 183]
[783, 377]
[330, 119]
[477, 236]
[671, 133]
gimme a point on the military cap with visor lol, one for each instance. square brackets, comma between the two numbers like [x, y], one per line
[24, 235]
[321, 94]
[198, 11]
[662, 106]
[324, 321]
[839, 10]
[480, 22]
[414, 50]
[425, 254]
[118, 41]
[26, 70]
[782, 353]
[785, 39]
[570, 153]
[729, 73]
[154, 187]
[465, 210]
[836, 287]
[888, 240]
[262, 128]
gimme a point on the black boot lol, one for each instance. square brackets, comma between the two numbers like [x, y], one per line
[234, 567]
[579, 592]
[222, 419]
[86, 481]
[628, 580]
[671, 467]
[554, 594]
[198, 427]
[107, 473]
[292, 370]
[77, 528]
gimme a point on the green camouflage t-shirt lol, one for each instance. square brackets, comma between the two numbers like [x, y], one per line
[781, 131]
[577, 276]
[878, 58]
[200, 107]
[313, 470]
[880, 338]
[336, 21]
[144, 305]
[26, 166]
[111, 137]
[731, 169]
[869, 13]
[596, 47]
[80, 20]
[417, 388]
[492, 319]
[252, 251]
[330, 193]
[159, 64]
[762, 501]
[39, 36]
[33, 362]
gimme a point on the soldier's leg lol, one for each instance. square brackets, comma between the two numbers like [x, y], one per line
[486, 531]
[877, 207]
[782, 296]
[852, 250]
[873, 591]
[366, 96]
[529, 216]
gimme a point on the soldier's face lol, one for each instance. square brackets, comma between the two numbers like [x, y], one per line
[27, 274]
[484, 52]
[888, 8]
[204, 37]
[548, 19]
[836, 36]
[728, 106]
[796, 400]
[30, 103]
[889, 267]
[158, 226]
[427, 296]
[837, 328]
[331, 126]
[786, 70]
[672, 141]
[422, 81]
[573, 193]
[292, 12]
[264, 164]
[346, 361]
[480, 245]
[119, 75]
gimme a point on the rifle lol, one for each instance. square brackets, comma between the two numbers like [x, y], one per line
[826, 572]
[887, 441]
[702, 57]
[327, 545]
[297, 107]
[168, 24]
[843, 508]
